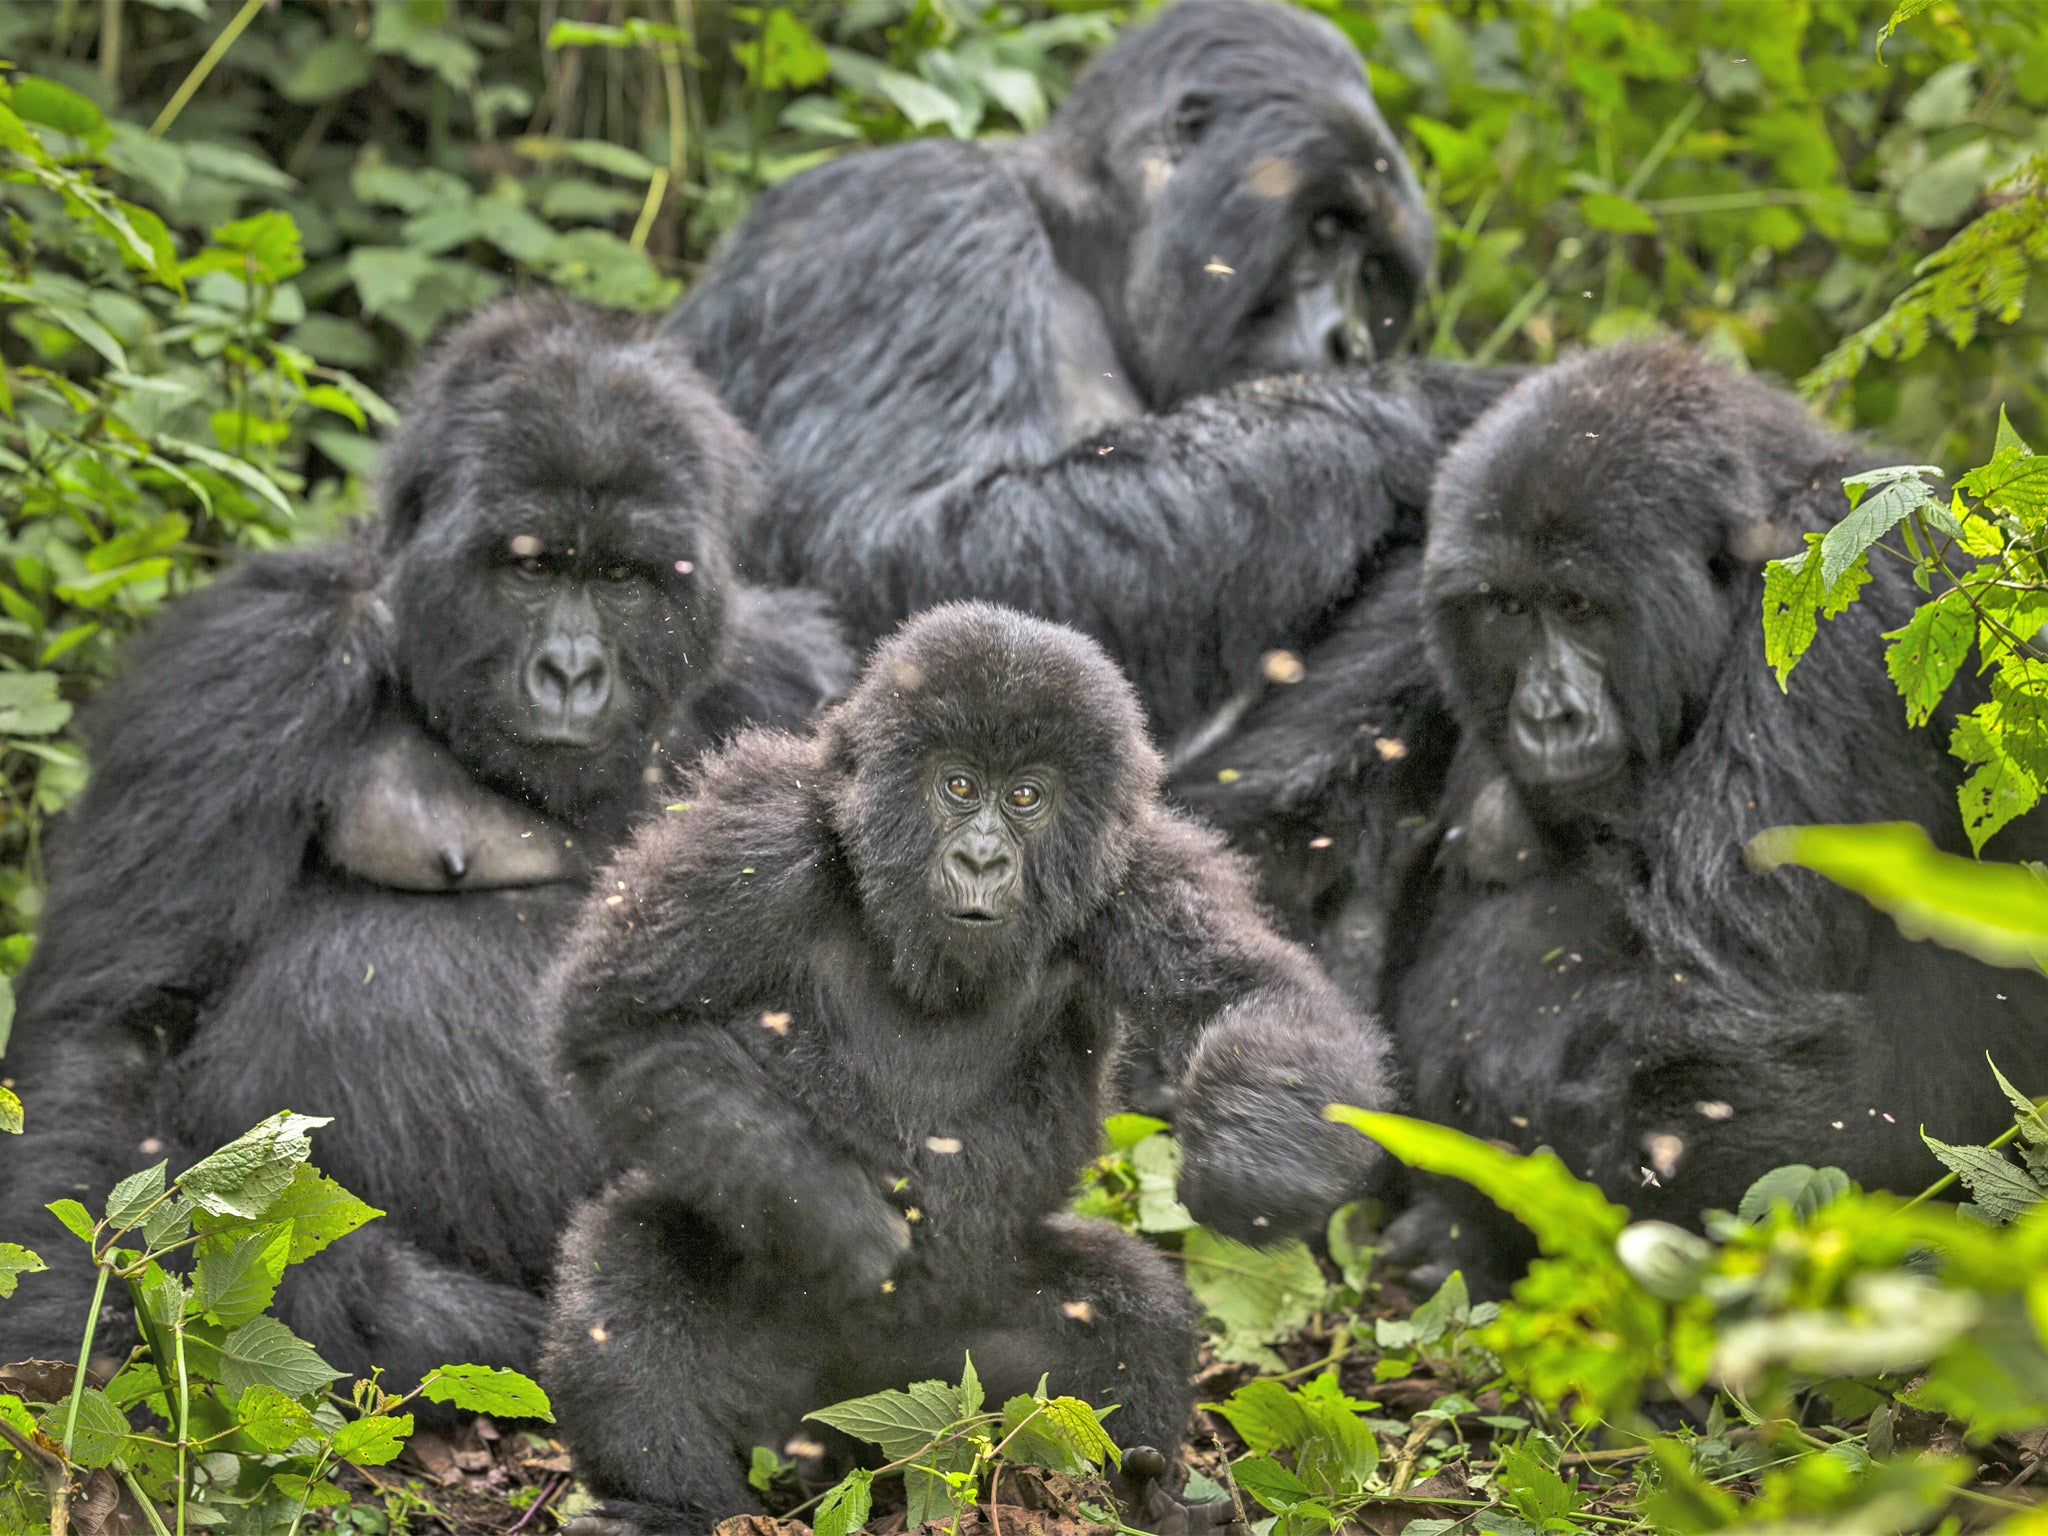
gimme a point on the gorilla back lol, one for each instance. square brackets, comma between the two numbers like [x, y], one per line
[344, 801]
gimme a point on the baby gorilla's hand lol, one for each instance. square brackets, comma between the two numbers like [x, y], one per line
[854, 1236]
[1152, 1508]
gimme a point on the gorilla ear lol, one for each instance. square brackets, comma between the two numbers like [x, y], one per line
[1192, 115]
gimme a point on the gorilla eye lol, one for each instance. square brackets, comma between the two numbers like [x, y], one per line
[1326, 229]
[1512, 606]
[1025, 797]
[1578, 607]
[616, 573]
[962, 787]
[530, 566]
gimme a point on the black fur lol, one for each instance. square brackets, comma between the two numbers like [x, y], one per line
[1596, 969]
[1013, 371]
[204, 962]
[775, 1020]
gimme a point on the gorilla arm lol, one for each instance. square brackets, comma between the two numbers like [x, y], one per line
[919, 453]
[1258, 1039]
[661, 1035]
[208, 762]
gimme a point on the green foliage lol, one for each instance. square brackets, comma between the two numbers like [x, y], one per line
[223, 1417]
[1132, 1183]
[938, 1436]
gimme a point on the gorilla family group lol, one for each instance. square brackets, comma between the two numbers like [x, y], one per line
[1012, 642]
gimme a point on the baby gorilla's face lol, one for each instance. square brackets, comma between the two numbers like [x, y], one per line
[984, 820]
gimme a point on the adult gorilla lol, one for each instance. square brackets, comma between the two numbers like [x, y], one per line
[1581, 958]
[341, 807]
[992, 370]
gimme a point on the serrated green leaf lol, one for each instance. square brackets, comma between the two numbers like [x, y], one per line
[1276, 1488]
[271, 1421]
[487, 1389]
[16, 1261]
[318, 1209]
[1796, 597]
[10, 1102]
[845, 1508]
[134, 1195]
[1803, 1188]
[1266, 1416]
[247, 1175]
[29, 706]
[902, 1422]
[1078, 1427]
[372, 1441]
[264, 1352]
[2000, 1187]
[1252, 1296]
[236, 1278]
[1925, 653]
[97, 1435]
[76, 1218]
[1535, 1489]
[2027, 1116]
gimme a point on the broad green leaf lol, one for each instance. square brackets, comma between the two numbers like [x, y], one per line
[845, 1508]
[244, 1177]
[1340, 1455]
[2000, 1187]
[263, 1352]
[328, 398]
[133, 1195]
[1278, 1489]
[970, 1396]
[763, 1468]
[1796, 597]
[1996, 912]
[97, 1435]
[1535, 1489]
[487, 1389]
[314, 1495]
[372, 1441]
[10, 1102]
[1802, 1188]
[76, 1218]
[1122, 1132]
[1253, 1296]
[1156, 1161]
[51, 105]
[1925, 653]
[902, 1422]
[1621, 215]
[236, 1278]
[29, 706]
[1030, 1439]
[1078, 1428]
[318, 1210]
[783, 54]
[16, 1261]
[1266, 1416]
[330, 69]
[270, 1420]
[615, 159]
[2027, 1116]
[1568, 1217]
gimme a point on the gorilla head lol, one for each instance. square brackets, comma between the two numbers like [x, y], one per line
[559, 514]
[991, 770]
[1274, 225]
[1586, 540]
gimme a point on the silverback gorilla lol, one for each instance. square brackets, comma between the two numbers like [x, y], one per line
[1580, 957]
[1001, 370]
[852, 1025]
[341, 809]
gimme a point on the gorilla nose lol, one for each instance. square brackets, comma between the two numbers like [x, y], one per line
[1340, 346]
[982, 855]
[568, 677]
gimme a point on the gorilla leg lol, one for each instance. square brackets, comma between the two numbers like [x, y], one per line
[660, 1374]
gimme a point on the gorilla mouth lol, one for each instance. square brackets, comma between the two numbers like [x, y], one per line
[976, 917]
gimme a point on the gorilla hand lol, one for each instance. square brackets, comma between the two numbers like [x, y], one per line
[846, 1234]
[1152, 1508]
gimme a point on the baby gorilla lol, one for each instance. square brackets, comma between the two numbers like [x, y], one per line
[850, 1011]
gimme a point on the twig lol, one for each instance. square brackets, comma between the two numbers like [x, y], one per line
[547, 1497]
[190, 87]
[1411, 1451]
[55, 1474]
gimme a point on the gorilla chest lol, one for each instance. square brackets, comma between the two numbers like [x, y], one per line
[412, 1020]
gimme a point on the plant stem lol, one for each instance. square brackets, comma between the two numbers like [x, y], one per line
[191, 83]
[184, 1418]
[92, 1318]
[156, 1521]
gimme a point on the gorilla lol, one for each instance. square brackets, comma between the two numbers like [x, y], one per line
[1005, 370]
[343, 807]
[849, 1015]
[1580, 957]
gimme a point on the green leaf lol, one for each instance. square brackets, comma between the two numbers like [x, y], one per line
[1927, 650]
[1156, 1162]
[1122, 1132]
[1270, 1483]
[372, 1441]
[96, 1438]
[2027, 1116]
[1266, 1416]
[1253, 1296]
[76, 1218]
[902, 1422]
[16, 1261]
[1900, 492]
[2001, 1189]
[331, 69]
[1621, 215]
[613, 158]
[133, 1195]
[1535, 1489]
[236, 1278]
[317, 1209]
[51, 105]
[263, 248]
[1796, 596]
[244, 1177]
[271, 1421]
[845, 1508]
[487, 1389]
[784, 55]
[764, 1466]
[29, 706]
[1803, 1188]
[1568, 1217]
[1996, 912]
[10, 1102]
[1077, 1427]
[263, 1352]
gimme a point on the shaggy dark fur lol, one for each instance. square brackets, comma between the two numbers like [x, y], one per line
[1005, 370]
[1581, 957]
[240, 917]
[802, 1046]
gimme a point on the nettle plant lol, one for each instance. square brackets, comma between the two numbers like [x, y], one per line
[222, 1417]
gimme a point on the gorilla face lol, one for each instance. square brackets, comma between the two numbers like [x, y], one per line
[561, 507]
[990, 770]
[1279, 228]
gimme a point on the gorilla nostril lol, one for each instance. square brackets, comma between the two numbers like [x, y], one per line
[570, 676]
[1337, 344]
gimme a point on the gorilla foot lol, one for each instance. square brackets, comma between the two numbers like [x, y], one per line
[1152, 1508]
